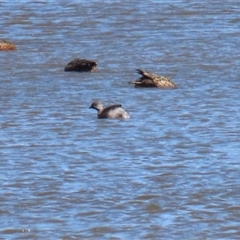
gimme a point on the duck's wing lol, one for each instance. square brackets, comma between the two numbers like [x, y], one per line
[81, 65]
[112, 107]
[157, 80]
[164, 82]
[114, 111]
[146, 74]
[5, 45]
[108, 112]
[88, 62]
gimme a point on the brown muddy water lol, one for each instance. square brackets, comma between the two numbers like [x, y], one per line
[171, 171]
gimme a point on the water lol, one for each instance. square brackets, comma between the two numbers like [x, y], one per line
[171, 171]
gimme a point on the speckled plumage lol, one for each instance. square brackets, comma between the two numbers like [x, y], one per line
[113, 111]
[6, 46]
[81, 65]
[153, 80]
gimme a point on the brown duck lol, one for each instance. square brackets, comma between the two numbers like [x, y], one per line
[153, 80]
[81, 65]
[6, 46]
[113, 111]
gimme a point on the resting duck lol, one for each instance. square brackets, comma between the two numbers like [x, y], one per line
[6, 46]
[113, 111]
[81, 65]
[153, 80]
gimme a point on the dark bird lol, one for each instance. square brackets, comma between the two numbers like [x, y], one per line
[6, 46]
[113, 111]
[153, 80]
[81, 65]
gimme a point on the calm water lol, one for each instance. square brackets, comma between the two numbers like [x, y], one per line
[172, 171]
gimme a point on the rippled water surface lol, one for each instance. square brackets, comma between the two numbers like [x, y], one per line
[171, 171]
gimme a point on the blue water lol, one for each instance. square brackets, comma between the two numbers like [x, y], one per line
[170, 171]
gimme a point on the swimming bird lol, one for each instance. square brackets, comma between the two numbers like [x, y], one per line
[153, 80]
[6, 46]
[81, 65]
[113, 111]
